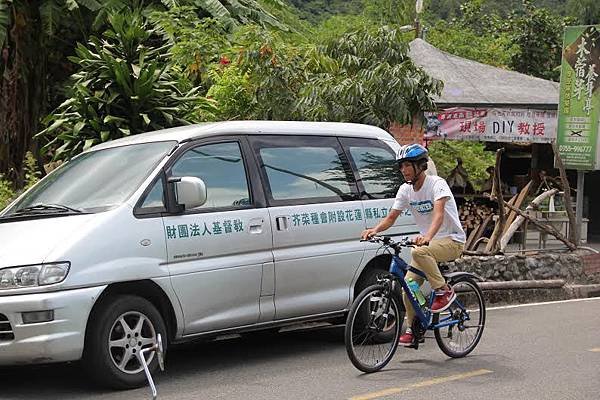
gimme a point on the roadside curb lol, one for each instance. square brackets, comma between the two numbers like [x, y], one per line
[520, 292]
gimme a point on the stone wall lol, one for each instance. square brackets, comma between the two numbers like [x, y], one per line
[569, 267]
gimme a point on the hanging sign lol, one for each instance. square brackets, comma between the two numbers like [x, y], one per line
[579, 107]
[492, 125]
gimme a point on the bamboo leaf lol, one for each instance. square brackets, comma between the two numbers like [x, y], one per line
[88, 143]
[78, 127]
[57, 124]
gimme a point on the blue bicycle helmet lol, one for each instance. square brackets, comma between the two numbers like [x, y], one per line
[412, 152]
[417, 155]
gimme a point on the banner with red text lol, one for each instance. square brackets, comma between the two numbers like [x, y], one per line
[492, 124]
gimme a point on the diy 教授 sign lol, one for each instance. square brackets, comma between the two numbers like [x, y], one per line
[492, 124]
[579, 107]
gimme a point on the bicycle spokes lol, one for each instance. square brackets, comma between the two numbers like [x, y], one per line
[372, 329]
[460, 326]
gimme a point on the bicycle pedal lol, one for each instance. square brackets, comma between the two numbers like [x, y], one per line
[415, 344]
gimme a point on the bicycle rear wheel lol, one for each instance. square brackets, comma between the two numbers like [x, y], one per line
[366, 322]
[460, 339]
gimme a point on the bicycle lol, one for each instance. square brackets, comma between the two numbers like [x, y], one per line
[375, 318]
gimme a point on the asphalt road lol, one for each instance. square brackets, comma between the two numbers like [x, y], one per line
[548, 351]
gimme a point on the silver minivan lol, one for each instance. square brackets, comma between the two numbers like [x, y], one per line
[192, 233]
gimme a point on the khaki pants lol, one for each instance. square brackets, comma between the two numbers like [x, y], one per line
[425, 258]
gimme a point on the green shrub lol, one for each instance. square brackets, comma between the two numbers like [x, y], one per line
[475, 158]
[32, 176]
[6, 192]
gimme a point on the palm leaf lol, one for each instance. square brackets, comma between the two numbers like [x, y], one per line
[216, 10]
[92, 5]
[171, 3]
[50, 13]
[72, 5]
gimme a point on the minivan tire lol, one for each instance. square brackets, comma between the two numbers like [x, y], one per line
[106, 364]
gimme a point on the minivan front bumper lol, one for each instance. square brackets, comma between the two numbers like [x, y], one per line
[61, 339]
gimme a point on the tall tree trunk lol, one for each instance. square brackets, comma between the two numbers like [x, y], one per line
[22, 88]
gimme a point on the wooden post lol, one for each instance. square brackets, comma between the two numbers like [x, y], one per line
[573, 228]
[492, 245]
[579, 207]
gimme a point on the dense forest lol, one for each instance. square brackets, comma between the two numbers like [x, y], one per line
[75, 73]
[318, 10]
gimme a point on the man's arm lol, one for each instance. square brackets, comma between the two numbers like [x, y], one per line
[383, 224]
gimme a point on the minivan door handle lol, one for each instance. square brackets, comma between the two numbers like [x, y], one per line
[282, 223]
[256, 225]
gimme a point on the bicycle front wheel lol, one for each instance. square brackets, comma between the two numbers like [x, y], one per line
[459, 339]
[367, 323]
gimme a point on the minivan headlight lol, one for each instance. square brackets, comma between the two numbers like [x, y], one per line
[33, 275]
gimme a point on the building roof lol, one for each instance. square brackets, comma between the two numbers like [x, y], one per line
[191, 132]
[470, 83]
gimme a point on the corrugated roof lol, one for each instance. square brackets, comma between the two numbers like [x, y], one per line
[468, 82]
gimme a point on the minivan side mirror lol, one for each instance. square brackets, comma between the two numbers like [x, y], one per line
[190, 191]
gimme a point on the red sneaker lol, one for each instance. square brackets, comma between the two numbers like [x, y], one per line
[442, 300]
[406, 339]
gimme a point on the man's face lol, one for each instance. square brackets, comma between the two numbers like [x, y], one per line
[406, 167]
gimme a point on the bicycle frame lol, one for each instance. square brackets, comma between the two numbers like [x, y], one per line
[399, 268]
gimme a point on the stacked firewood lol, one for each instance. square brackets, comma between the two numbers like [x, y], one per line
[472, 214]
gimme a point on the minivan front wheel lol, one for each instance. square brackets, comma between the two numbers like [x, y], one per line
[119, 329]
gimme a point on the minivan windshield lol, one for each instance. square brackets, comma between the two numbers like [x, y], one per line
[95, 181]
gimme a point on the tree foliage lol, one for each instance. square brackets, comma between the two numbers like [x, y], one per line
[362, 76]
[316, 11]
[124, 86]
[193, 60]
[195, 43]
[476, 160]
[587, 12]
[538, 33]
[276, 72]
[32, 176]
[464, 42]
[369, 78]
[527, 39]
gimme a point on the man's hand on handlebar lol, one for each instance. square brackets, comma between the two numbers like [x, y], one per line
[368, 233]
[421, 240]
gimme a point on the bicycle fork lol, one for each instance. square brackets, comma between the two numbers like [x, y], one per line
[380, 308]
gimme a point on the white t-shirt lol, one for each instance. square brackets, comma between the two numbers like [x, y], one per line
[421, 205]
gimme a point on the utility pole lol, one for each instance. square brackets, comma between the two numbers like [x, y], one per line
[419, 10]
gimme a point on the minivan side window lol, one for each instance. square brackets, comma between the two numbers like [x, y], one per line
[304, 169]
[379, 173]
[221, 167]
[155, 198]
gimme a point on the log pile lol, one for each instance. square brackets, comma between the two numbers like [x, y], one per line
[472, 215]
[506, 225]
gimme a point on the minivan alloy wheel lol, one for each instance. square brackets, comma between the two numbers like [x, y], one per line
[130, 333]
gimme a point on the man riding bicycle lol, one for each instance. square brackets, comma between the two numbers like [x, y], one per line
[441, 236]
